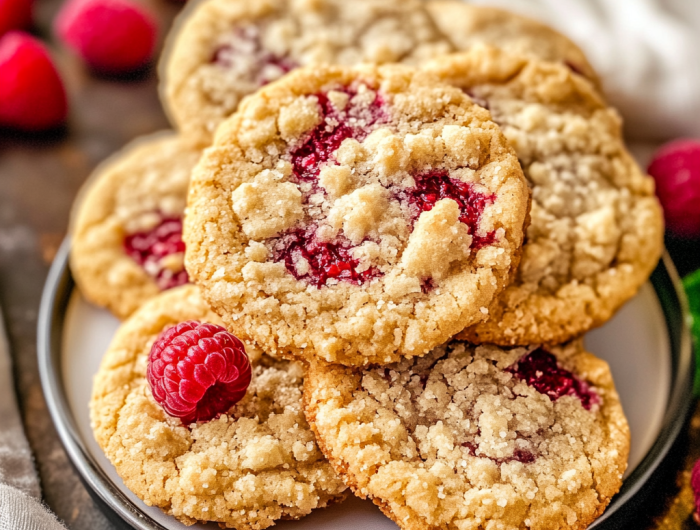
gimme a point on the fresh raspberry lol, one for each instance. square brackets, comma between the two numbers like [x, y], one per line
[112, 36]
[151, 248]
[197, 371]
[695, 486]
[32, 96]
[676, 169]
[15, 14]
[540, 370]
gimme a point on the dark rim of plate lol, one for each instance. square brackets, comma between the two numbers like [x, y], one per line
[121, 510]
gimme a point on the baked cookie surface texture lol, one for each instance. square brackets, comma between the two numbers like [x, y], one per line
[227, 49]
[127, 224]
[476, 437]
[596, 230]
[355, 215]
[223, 50]
[468, 25]
[246, 469]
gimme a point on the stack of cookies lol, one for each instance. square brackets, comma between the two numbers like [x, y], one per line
[402, 217]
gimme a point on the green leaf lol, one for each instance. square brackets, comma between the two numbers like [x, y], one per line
[691, 283]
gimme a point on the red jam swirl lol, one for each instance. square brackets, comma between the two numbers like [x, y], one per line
[326, 259]
[434, 185]
[150, 247]
[355, 122]
[540, 370]
[246, 54]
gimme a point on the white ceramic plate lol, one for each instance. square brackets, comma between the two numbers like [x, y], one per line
[635, 343]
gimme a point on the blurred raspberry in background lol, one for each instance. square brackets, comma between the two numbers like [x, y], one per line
[113, 37]
[15, 14]
[676, 169]
[32, 96]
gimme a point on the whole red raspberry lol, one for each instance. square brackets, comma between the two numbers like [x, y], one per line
[32, 96]
[197, 371]
[695, 486]
[676, 169]
[112, 36]
[15, 14]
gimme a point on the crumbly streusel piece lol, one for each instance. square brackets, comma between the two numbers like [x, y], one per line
[596, 230]
[244, 470]
[468, 25]
[355, 215]
[476, 437]
[127, 224]
[227, 49]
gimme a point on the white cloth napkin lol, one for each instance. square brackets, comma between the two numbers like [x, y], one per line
[20, 495]
[646, 51]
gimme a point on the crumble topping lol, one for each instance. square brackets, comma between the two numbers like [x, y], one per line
[247, 469]
[127, 223]
[228, 49]
[468, 437]
[379, 230]
[596, 227]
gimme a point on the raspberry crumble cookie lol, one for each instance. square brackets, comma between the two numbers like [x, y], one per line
[127, 224]
[227, 49]
[355, 215]
[596, 230]
[476, 436]
[194, 429]
[468, 25]
[224, 50]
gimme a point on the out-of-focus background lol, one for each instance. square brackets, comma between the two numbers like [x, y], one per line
[646, 51]
[40, 174]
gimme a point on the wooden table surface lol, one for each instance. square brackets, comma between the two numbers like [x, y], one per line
[39, 178]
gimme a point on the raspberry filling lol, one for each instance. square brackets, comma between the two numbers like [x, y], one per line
[427, 285]
[152, 249]
[482, 102]
[434, 185]
[197, 371]
[308, 258]
[519, 455]
[540, 370]
[245, 54]
[522, 455]
[574, 68]
[325, 139]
